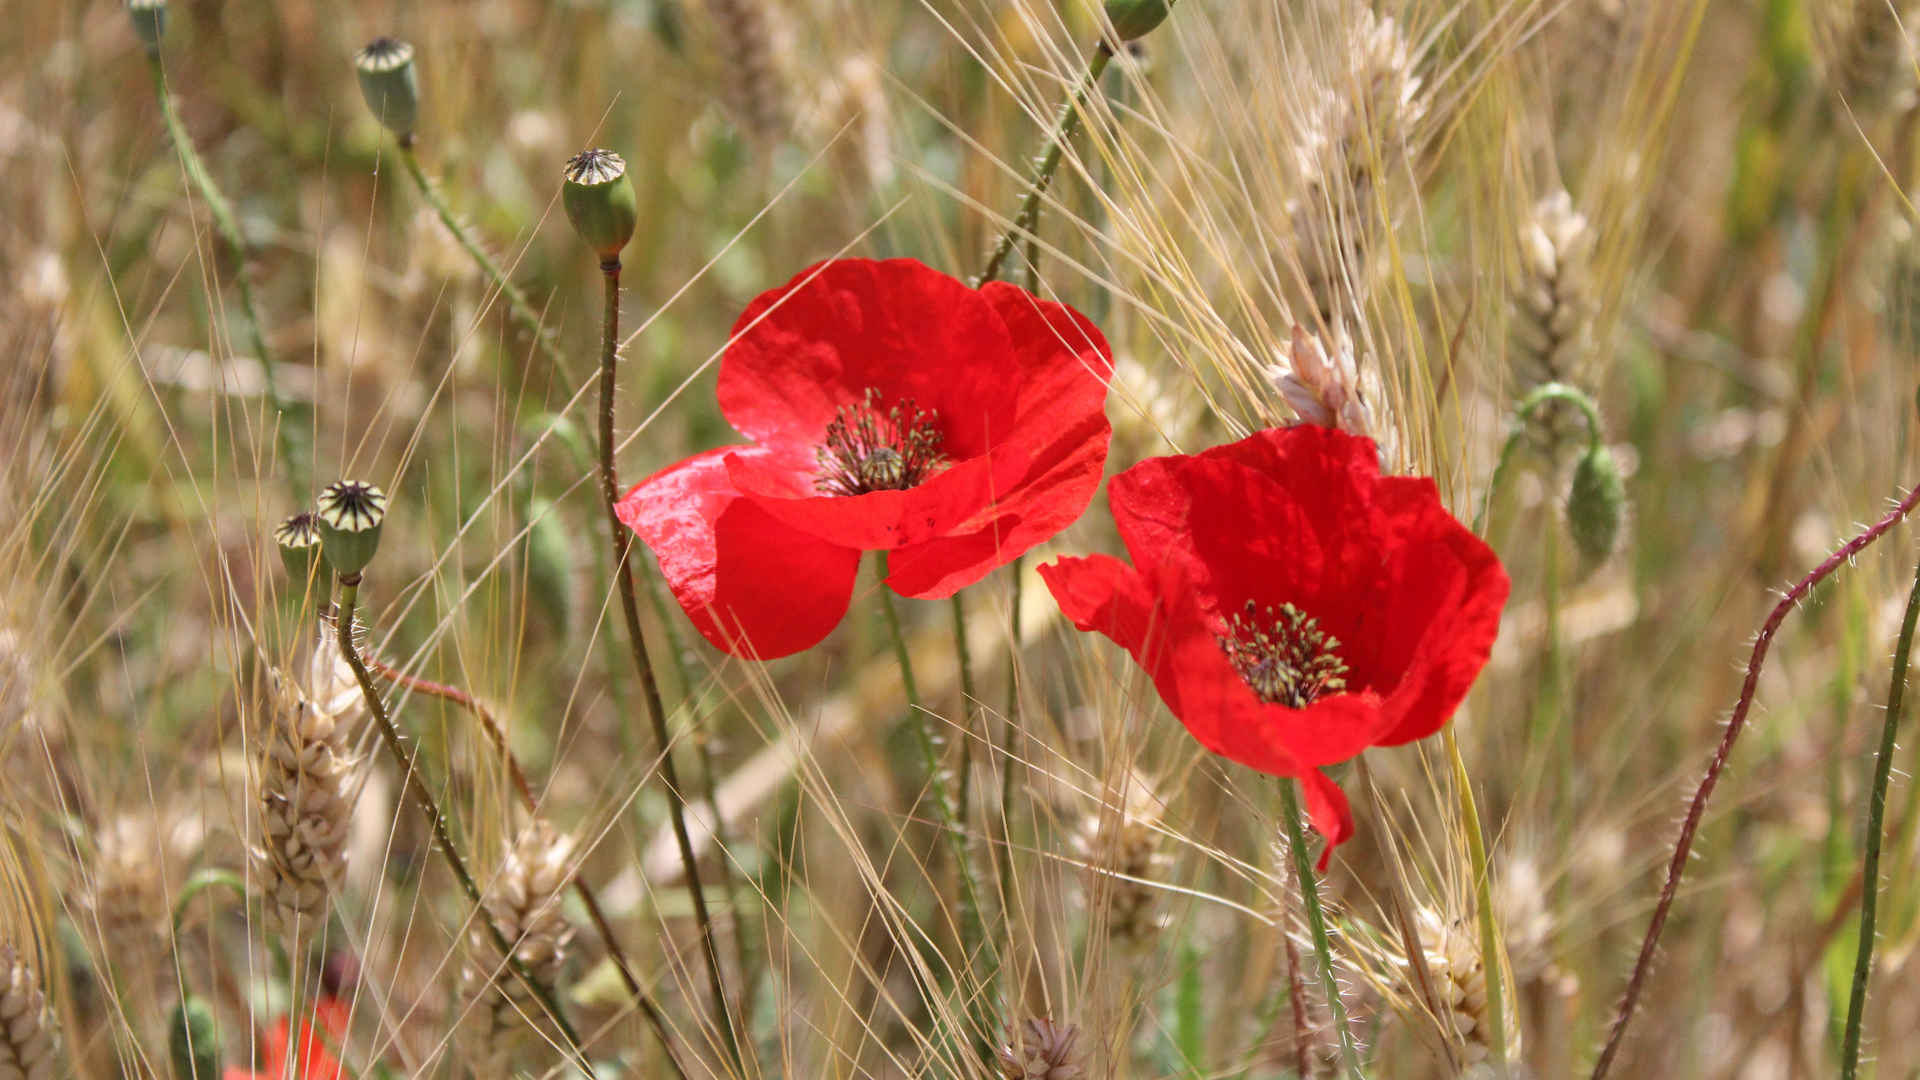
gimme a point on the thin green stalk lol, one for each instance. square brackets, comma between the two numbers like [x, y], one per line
[437, 821]
[951, 825]
[1317, 926]
[1876, 816]
[292, 448]
[967, 701]
[622, 542]
[1047, 164]
[1540, 395]
[518, 308]
[1483, 903]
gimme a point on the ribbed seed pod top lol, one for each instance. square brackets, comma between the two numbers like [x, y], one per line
[388, 82]
[350, 516]
[600, 201]
[298, 538]
[149, 22]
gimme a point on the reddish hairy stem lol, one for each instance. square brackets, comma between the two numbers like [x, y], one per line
[1683, 844]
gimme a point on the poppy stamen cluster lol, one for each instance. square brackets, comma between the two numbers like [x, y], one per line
[1283, 655]
[866, 450]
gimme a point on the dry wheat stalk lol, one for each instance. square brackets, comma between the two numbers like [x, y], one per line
[139, 858]
[749, 42]
[1866, 50]
[1554, 300]
[855, 99]
[1452, 950]
[1356, 132]
[1044, 1050]
[1332, 388]
[26, 1029]
[523, 899]
[1121, 846]
[306, 782]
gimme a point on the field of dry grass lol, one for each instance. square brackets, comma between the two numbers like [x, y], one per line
[224, 285]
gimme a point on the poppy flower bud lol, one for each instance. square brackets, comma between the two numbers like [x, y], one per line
[299, 541]
[600, 201]
[1596, 503]
[193, 1043]
[1136, 18]
[349, 520]
[149, 22]
[387, 81]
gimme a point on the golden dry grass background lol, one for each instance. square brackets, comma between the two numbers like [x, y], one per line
[1751, 294]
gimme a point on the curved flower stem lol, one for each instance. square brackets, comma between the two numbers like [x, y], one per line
[1483, 901]
[437, 821]
[1683, 844]
[518, 775]
[1541, 395]
[207, 877]
[292, 449]
[1876, 816]
[622, 542]
[518, 308]
[1317, 926]
[1046, 165]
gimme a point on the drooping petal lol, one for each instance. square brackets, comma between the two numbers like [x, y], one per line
[752, 585]
[838, 329]
[1327, 809]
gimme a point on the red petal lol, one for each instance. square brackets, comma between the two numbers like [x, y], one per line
[1328, 811]
[840, 328]
[752, 585]
[1060, 420]
[1448, 590]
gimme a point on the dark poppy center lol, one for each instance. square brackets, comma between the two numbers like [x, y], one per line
[1283, 655]
[870, 450]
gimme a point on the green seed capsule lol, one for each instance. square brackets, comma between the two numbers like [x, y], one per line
[299, 541]
[350, 516]
[600, 201]
[1136, 18]
[388, 82]
[193, 1044]
[1596, 504]
[149, 22]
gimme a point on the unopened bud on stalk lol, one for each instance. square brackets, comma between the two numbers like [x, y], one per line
[193, 1044]
[1596, 503]
[350, 516]
[299, 541]
[600, 202]
[387, 81]
[149, 22]
[1136, 18]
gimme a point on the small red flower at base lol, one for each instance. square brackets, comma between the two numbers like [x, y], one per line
[316, 1063]
[1293, 606]
[890, 408]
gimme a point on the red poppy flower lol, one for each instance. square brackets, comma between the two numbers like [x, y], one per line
[276, 1047]
[890, 408]
[1292, 605]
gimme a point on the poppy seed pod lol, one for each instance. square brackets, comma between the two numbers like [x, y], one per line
[349, 521]
[149, 22]
[1596, 504]
[388, 82]
[600, 201]
[299, 540]
[1136, 18]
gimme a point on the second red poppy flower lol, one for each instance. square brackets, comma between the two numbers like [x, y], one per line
[890, 408]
